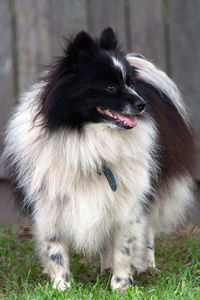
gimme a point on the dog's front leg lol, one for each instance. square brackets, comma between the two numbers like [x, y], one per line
[53, 253]
[122, 276]
[139, 245]
[128, 253]
[58, 264]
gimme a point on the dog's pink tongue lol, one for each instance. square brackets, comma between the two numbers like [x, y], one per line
[130, 120]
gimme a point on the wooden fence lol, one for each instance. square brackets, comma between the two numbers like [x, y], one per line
[31, 33]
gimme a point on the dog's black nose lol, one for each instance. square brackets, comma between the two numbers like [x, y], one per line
[140, 105]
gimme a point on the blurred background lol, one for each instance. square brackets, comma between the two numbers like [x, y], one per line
[31, 33]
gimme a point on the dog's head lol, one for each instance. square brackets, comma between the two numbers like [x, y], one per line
[92, 82]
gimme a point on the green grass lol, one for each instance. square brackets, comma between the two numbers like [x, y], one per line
[178, 258]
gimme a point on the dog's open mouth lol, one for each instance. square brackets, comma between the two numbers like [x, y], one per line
[120, 119]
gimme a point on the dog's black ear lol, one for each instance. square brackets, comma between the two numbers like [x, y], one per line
[108, 40]
[82, 48]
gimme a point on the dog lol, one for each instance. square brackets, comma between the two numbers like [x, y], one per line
[103, 156]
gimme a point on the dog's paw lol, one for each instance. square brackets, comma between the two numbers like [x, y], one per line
[120, 283]
[61, 283]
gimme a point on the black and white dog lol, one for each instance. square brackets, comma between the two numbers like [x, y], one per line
[102, 152]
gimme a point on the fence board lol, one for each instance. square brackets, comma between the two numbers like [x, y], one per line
[6, 82]
[147, 30]
[184, 25]
[185, 51]
[67, 18]
[40, 27]
[6, 76]
[33, 43]
[106, 13]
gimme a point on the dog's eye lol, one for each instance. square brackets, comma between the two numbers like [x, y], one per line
[111, 89]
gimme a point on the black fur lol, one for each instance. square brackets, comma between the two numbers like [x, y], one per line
[57, 258]
[176, 143]
[124, 250]
[79, 80]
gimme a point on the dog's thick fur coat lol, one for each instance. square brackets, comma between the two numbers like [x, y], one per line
[55, 150]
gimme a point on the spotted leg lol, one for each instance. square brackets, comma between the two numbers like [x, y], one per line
[139, 246]
[128, 253]
[54, 256]
[122, 277]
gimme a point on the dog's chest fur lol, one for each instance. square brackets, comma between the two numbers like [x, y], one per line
[86, 209]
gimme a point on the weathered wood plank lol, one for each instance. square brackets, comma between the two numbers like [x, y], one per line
[104, 13]
[6, 74]
[67, 18]
[147, 30]
[33, 42]
[185, 51]
[40, 28]
[184, 22]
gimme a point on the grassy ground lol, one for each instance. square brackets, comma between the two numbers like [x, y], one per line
[178, 258]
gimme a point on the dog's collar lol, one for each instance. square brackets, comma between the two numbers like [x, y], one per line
[109, 176]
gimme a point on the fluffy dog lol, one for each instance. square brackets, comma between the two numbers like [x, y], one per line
[102, 155]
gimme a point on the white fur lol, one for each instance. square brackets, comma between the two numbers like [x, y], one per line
[165, 212]
[131, 90]
[120, 66]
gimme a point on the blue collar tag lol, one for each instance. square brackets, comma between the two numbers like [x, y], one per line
[110, 177]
